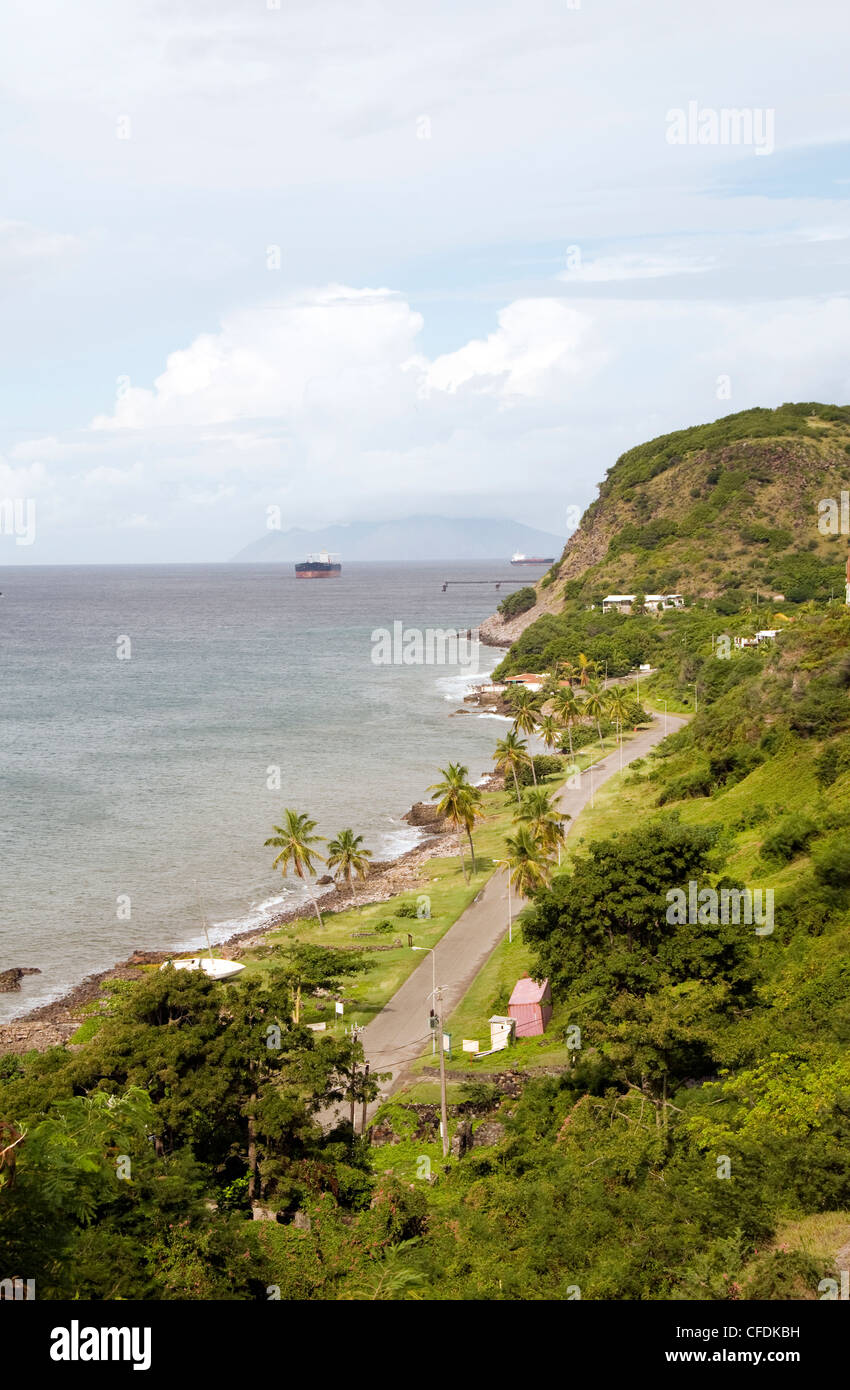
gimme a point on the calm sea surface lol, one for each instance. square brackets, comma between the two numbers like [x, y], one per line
[130, 779]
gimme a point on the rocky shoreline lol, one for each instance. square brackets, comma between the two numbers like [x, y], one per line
[51, 1025]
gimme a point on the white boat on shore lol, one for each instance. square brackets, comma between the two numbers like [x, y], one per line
[216, 969]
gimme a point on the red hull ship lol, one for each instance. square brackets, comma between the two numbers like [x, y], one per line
[321, 566]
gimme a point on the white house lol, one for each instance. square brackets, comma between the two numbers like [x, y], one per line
[766, 634]
[653, 603]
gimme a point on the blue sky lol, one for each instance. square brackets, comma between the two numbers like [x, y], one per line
[496, 271]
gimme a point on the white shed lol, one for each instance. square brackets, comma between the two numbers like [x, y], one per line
[501, 1031]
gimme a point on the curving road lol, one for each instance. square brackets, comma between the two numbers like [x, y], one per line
[399, 1033]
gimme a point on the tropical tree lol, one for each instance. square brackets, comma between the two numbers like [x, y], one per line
[511, 753]
[586, 668]
[567, 671]
[541, 815]
[550, 730]
[458, 801]
[346, 857]
[296, 842]
[525, 861]
[525, 720]
[595, 705]
[568, 709]
[310, 967]
[619, 704]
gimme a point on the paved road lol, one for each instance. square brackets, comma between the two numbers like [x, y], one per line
[399, 1033]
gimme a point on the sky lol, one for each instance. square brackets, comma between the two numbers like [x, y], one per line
[316, 262]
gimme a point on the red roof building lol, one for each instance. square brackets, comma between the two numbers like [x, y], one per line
[531, 1006]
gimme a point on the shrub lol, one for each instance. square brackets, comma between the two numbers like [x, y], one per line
[480, 1093]
[690, 785]
[789, 838]
[543, 767]
[406, 910]
[827, 765]
[734, 764]
[784, 1275]
[518, 602]
[832, 862]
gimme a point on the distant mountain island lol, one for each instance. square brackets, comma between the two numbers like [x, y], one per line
[411, 538]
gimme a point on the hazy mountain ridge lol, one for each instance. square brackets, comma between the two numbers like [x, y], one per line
[408, 538]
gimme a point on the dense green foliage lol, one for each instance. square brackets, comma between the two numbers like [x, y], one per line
[645, 461]
[518, 602]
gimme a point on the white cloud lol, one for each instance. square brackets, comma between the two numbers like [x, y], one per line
[325, 405]
[540, 344]
[329, 352]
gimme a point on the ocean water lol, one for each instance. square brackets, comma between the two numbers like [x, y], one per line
[123, 781]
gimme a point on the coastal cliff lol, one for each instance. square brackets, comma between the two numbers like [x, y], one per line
[716, 510]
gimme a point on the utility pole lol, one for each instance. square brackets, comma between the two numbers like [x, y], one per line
[444, 1114]
[353, 1077]
[365, 1089]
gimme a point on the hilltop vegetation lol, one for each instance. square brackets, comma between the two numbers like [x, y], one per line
[725, 513]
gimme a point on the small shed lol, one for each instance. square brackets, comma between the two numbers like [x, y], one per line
[501, 1031]
[530, 1006]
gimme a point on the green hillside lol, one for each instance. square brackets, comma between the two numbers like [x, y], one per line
[726, 514]
[696, 1143]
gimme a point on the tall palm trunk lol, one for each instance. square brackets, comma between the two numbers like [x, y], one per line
[315, 904]
[460, 852]
[471, 847]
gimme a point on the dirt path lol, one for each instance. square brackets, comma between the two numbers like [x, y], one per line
[399, 1033]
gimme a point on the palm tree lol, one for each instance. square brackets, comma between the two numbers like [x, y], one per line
[543, 819]
[525, 866]
[511, 753]
[620, 705]
[550, 731]
[586, 668]
[525, 863]
[459, 802]
[296, 842]
[594, 706]
[568, 709]
[346, 857]
[525, 720]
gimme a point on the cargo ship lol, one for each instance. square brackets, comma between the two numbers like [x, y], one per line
[321, 566]
[519, 559]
